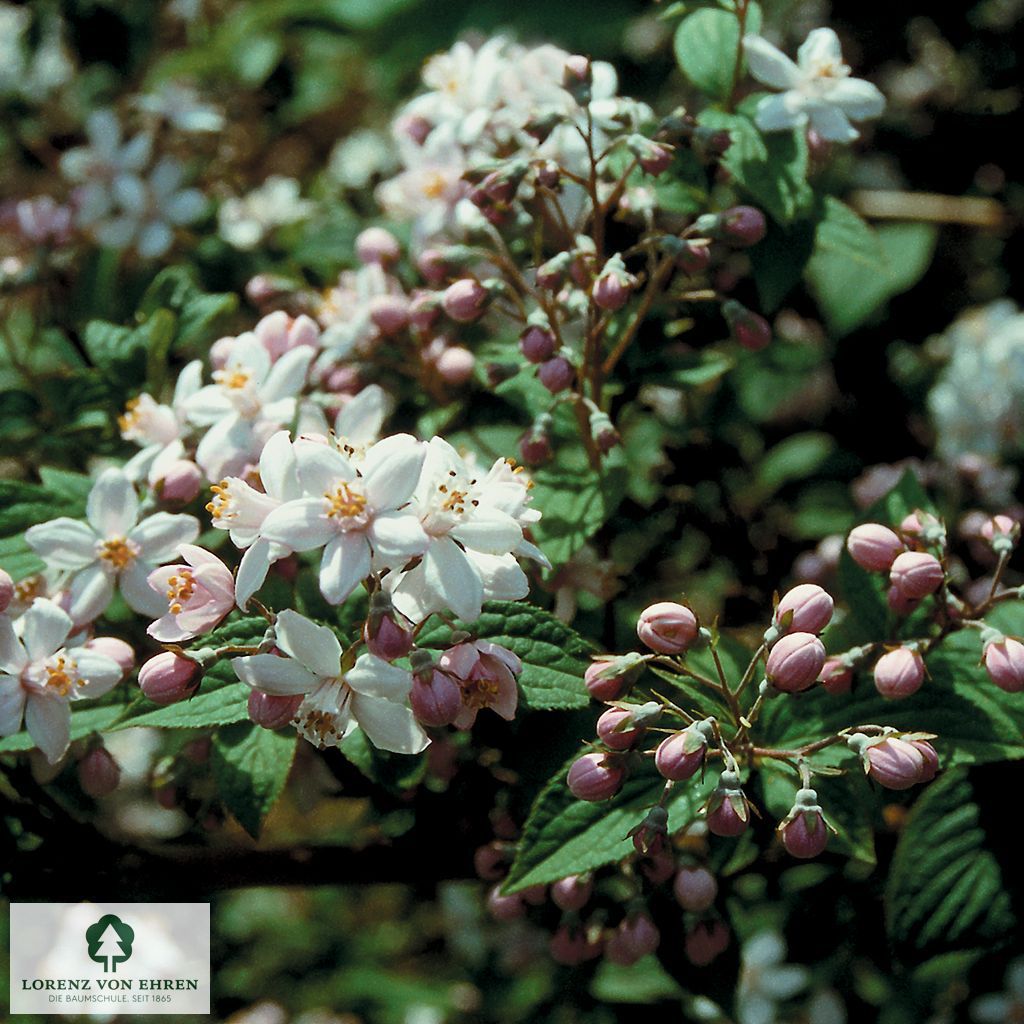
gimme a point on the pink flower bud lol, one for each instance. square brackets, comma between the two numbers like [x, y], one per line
[344, 380]
[680, 756]
[930, 767]
[895, 763]
[805, 835]
[795, 662]
[385, 638]
[198, 751]
[608, 729]
[537, 345]
[551, 274]
[726, 820]
[431, 263]
[611, 291]
[6, 590]
[811, 609]
[916, 574]
[742, 226]
[505, 908]
[873, 547]
[635, 937]
[658, 866]
[656, 159]
[389, 313]
[1004, 663]
[693, 259]
[899, 673]
[1000, 525]
[695, 889]
[377, 245]
[667, 627]
[114, 649]
[167, 797]
[535, 895]
[748, 328]
[556, 374]
[835, 676]
[465, 300]
[272, 711]
[455, 365]
[437, 701]
[535, 448]
[603, 683]
[595, 777]
[424, 310]
[705, 941]
[490, 862]
[572, 947]
[168, 678]
[181, 482]
[572, 893]
[899, 603]
[98, 773]
[220, 352]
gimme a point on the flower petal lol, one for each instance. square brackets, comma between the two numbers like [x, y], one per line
[396, 537]
[278, 468]
[820, 48]
[345, 563]
[858, 100]
[451, 575]
[389, 726]
[252, 571]
[140, 596]
[12, 705]
[489, 530]
[161, 535]
[90, 592]
[315, 647]
[48, 720]
[99, 673]
[321, 468]
[63, 543]
[831, 123]
[392, 470]
[299, 525]
[780, 113]
[13, 657]
[113, 505]
[362, 417]
[284, 677]
[770, 65]
[44, 628]
[288, 374]
[374, 677]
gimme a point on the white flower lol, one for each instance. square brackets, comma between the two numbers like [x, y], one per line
[353, 512]
[39, 676]
[1002, 1007]
[766, 979]
[244, 222]
[819, 91]
[241, 510]
[249, 400]
[182, 106]
[372, 694]
[472, 529]
[32, 72]
[112, 548]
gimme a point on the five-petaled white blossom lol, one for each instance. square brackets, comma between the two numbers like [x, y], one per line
[40, 675]
[337, 698]
[818, 90]
[112, 548]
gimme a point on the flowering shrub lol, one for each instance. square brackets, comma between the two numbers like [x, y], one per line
[380, 477]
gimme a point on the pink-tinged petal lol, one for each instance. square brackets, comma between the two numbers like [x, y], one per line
[321, 468]
[459, 661]
[44, 628]
[13, 657]
[375, 677]
[278, 468]
[167, 630]
[113, 505]
[389, 726]
[509, 659]
[159, 579]
[99, 673]
[89, 594]
[288, 374]
[12, 705]
[281, 676]
[135, 589]
[770, 65]
[345, 564]
[466, 718]
[315, 647]
[392, 470]
[507, 698]
[252, 571]
[300, 525]
[48, 720]
[216, 579]
[160, 536]
[396, 537]
[63, 543]
[489, 530]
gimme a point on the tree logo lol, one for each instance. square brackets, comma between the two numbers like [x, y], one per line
[110, 942]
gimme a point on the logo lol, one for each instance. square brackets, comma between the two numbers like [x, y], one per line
[110, 942]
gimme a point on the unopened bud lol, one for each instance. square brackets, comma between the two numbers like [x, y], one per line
[610, 678]
[271, 710]
[873, 547]
[667, 627]
[595, 777]
[115, 649]
[505, 908]
[795, 662]
[377, 245]
[635, 938]
[614, 729]
[1004, 663]
[572, 893]
[435, 701]
[577, 78]
[613, 286]
[805, 834]
[537, 344]
[465, 300]
[98, 773]
[556, 374]
[384, 636]
[168, 678]
[835, 676]
[895, 763]
[681, 755]
[806, 608]
[695, 889]
[706, 941]
[748, 328]
[916, 574]
[742, 226]
[180, 483]
[899, 673]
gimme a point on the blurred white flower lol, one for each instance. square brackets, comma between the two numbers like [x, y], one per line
[1005, 1007]
[818, 90]
[183, 107]
[31, 73]
[358, 159]
[766, 979]
[246, 221]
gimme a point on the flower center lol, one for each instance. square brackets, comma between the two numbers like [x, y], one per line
[234, 380]
[61, 675]
[118, 552]
[131, 417]
[220, 505]
[345, 503]
[479, 691]
[323, 715]
[434, 185]
[180, 589]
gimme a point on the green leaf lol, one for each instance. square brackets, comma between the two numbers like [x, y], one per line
[946, 889]
[250, 766]
[855, 270]
[779, 259]
[698, 369]
[198, 315]
[395, 772]
[707, 45]
[564, 836]
[771, 169]
[554, 656]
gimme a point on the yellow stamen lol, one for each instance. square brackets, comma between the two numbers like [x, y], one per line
[118, 551]
[344, 502]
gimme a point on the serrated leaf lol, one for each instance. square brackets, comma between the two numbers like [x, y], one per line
[946, 890]
[554, 656]
[564, 836]
[250, 766]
